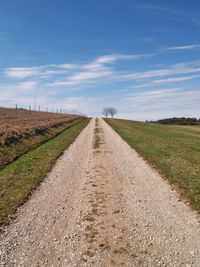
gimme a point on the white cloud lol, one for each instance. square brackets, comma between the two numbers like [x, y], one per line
[82, 77]
[184, 47]
[106, 59]
[22, 72]
[68, 66]
[164, 81]
[93, 70]
[76, 77]
[37, 71]
[180, 68]
[27, 86]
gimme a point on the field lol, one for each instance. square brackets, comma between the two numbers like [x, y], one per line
[20, 178]
[28, 130]
[173, 150]
[27, 123]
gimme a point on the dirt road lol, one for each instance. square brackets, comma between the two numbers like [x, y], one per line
[102, 207]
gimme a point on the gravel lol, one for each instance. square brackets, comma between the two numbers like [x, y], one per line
[102, 207]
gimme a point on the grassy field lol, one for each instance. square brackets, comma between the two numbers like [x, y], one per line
[21, 177]
[173, 150]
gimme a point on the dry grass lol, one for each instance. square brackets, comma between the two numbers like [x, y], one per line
[12, 129]
[27, 132]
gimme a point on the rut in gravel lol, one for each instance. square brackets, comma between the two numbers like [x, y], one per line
[102, 206]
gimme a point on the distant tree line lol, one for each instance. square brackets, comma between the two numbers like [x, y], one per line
[178, 121]
[109, 111]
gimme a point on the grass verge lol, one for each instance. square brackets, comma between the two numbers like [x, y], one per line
[173, 150]
[9, 153]
[21, 177]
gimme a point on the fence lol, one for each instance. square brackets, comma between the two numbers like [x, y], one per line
[20, 112]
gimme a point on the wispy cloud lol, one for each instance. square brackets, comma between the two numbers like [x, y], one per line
[98, 68]
[176, 14]
[184, 47]
[36, 71]
[157, 104]
[155, 94]
[164, 81]
[160, 9]
[81, 77]
[180, 68]
[23, 87]
[22, 72]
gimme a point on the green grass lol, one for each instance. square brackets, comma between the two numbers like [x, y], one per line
[21, 177]
[173, 150]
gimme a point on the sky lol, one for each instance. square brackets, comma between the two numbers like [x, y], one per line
[141, 57]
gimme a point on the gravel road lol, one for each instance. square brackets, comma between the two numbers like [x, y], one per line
[102, 207]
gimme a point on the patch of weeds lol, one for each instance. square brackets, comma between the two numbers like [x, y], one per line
[121, 250]
[116, 212]
[133, 255]
[89, 228]
[89, 253]
[96, 135]
[94, 211]
[83, 259]
[88, 218]
[91, 236]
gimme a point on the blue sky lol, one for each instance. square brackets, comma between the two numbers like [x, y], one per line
[141, 57]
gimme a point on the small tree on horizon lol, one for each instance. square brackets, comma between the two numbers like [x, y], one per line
[112, 111]
[106, 111]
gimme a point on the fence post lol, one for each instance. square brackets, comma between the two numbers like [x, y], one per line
[29, 112]
[16, 112]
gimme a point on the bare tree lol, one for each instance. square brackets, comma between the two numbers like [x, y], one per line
[105, 112]
[112, 111]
